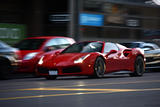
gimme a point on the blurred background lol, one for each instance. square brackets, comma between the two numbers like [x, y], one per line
[109, 20]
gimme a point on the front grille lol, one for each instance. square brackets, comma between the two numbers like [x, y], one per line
[42, 70]
[149, 59]
[155, 65]
[71, 69]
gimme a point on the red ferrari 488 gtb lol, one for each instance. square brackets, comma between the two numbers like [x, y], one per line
[92, 58]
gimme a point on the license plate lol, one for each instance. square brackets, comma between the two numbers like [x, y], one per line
[53, 72]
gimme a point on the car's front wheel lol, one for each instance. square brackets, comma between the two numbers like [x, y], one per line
[138, 67]
[99, 67]
[5, 72]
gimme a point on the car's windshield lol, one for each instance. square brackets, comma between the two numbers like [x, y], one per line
[131, 45]
[3, 45]
[84, 47]
[30, 44]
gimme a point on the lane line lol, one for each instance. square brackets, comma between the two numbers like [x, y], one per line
[87, 89]
[98, 91]
[134, 82]
[85, 85]
[74, 89]
[52, 95]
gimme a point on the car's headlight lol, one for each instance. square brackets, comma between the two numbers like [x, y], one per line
[81, 59]
[41, 60]
[30, 56]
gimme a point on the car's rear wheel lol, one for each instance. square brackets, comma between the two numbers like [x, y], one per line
[138, 67]
[99, 67]
[51, 77]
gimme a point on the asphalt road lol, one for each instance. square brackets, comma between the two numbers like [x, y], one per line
[110, 91]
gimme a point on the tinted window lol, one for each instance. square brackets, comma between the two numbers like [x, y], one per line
[110, 46]
[58, 43]
[30, 44]
[84, 47]
[52, 42]
[131, 45]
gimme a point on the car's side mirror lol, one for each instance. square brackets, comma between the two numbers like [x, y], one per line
[58, 52]
[47, 49]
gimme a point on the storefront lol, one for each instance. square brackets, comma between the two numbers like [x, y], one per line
[83, 19]
[119, 19]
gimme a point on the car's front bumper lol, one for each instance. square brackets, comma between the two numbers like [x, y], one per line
[72, 70]
[152, 62]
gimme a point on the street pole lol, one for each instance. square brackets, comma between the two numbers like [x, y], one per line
[75, 9]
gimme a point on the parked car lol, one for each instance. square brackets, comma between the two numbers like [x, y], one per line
[9, 60]
[92, 58]
[151, 52]
[33, 46]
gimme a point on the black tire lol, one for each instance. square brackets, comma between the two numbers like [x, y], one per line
[5, 72]
[34, 74]
[51, 77]
[99, 67]
[138, 67]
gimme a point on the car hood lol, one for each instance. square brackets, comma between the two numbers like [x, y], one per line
[156, 51]
[25, 52]
[7, 50]
[69, 56]
[63, 59]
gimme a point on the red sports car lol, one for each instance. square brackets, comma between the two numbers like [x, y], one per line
[92, 58]
[32, 47]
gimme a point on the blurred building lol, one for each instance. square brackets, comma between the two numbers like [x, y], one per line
[96, 19]
[122, 19]
[31, 18]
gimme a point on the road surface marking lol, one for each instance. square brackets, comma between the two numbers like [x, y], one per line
[134, 82]
[85, 85]
[90, 91]
[74, 89]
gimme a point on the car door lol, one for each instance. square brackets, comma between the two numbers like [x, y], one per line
[112, 57]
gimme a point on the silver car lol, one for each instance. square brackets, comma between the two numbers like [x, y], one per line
[9, 60]
[151, 52]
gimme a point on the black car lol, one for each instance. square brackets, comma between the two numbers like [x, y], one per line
[9, 60]
[151, 52]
